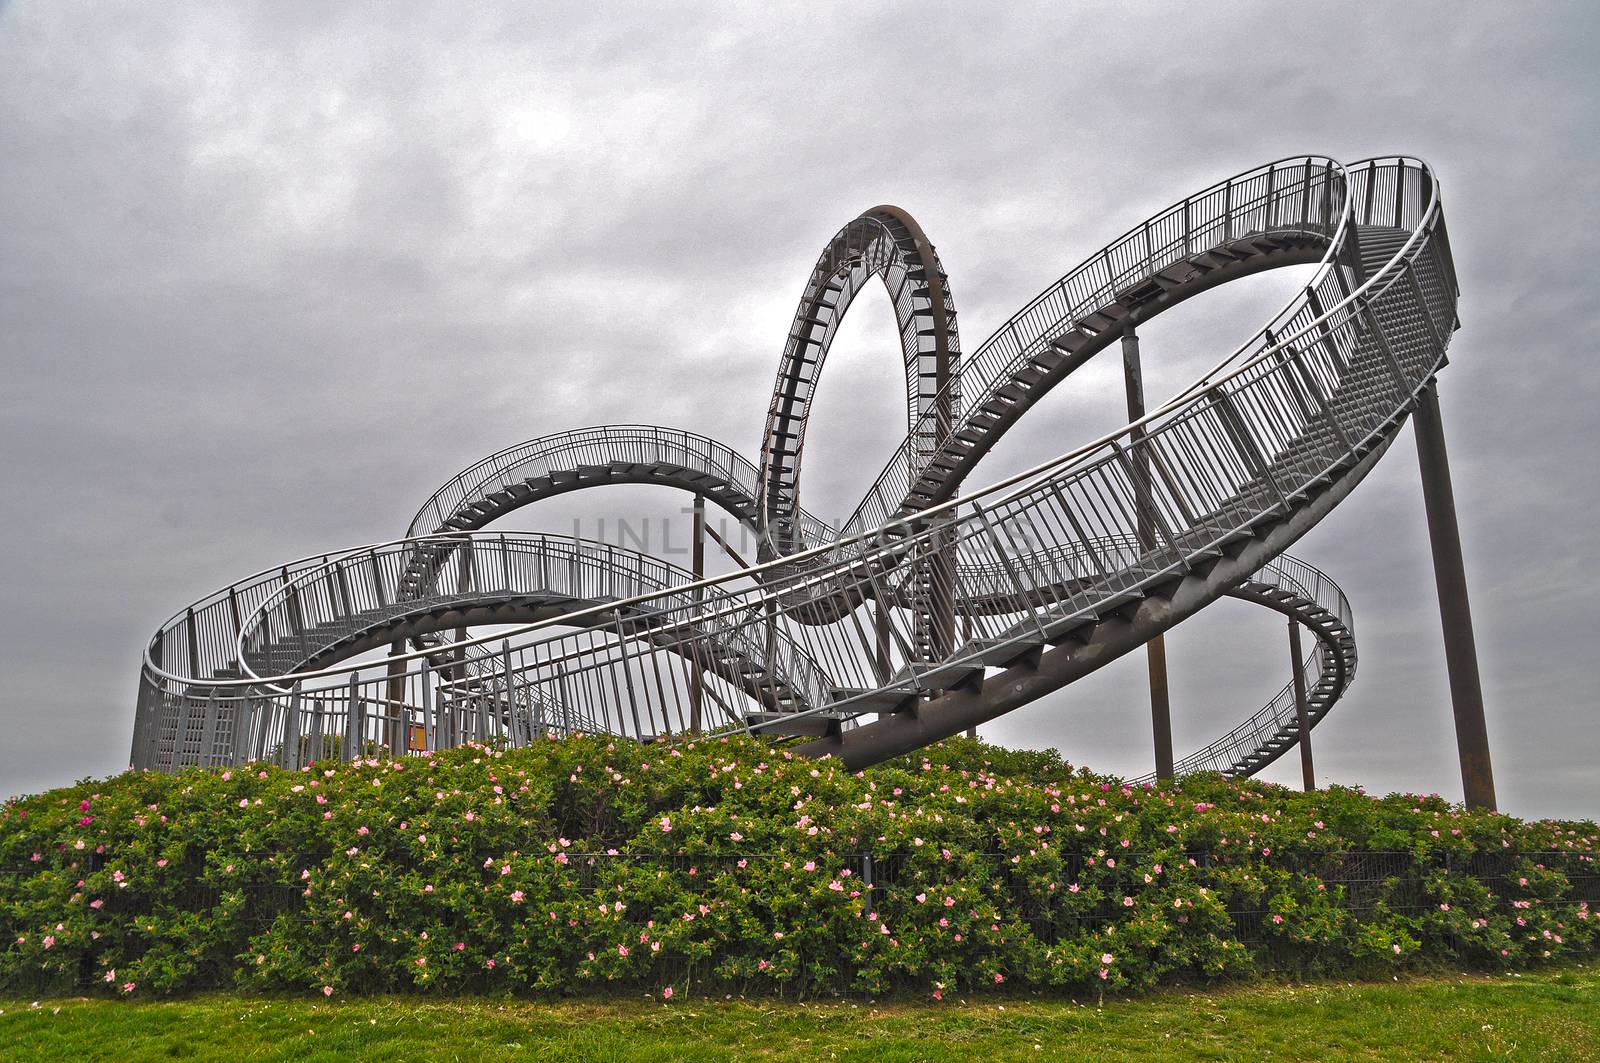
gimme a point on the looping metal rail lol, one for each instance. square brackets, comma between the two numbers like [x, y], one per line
[930, 610]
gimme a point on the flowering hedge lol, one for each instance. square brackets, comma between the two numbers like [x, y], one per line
[580, 863]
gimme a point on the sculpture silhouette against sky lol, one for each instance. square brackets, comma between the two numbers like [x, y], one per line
[931, 609]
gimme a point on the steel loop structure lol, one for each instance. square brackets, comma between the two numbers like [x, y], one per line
[930, 609]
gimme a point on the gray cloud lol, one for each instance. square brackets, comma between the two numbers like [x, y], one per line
[270, 272]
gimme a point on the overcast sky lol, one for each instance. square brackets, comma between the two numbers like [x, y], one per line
[270, 273]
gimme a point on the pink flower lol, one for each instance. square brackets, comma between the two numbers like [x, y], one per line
[327, 990]
[666, 824]
[998, 978]
[666, 993]
[49, 940]
[1277, 919]
[1127, 902]
[516, 896]
[622, 950]
[810, 865]
[1104, 973]
[1107, 958]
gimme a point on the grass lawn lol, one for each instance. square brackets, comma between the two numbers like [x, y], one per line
[1553, 1015]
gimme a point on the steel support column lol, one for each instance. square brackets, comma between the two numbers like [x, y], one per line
[697, 553]
[966, 636]
[395, 691]
[1302, 714]
[1156, 648]
[1455, 613]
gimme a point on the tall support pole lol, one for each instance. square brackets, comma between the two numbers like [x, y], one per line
[1302, 714]
[1156, 648]
[880, 630]
[395, 693]
[1455, 613]
[697, 691]
[966, 635]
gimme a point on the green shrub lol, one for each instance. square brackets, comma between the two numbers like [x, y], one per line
[582, 863]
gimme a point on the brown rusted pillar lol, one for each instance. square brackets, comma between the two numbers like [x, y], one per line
[1156, 648]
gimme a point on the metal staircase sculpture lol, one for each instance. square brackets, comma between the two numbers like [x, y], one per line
[929, 610]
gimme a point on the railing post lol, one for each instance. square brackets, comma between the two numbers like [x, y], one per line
[243, 723]
[352, 720]
[290, 758]
[1455, 612]
[195, 667]
[208, 731]
[514, 733]
[399, 730]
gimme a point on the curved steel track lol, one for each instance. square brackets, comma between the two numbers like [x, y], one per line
[929, 610]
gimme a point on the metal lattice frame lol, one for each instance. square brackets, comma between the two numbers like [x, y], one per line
[930, 611]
